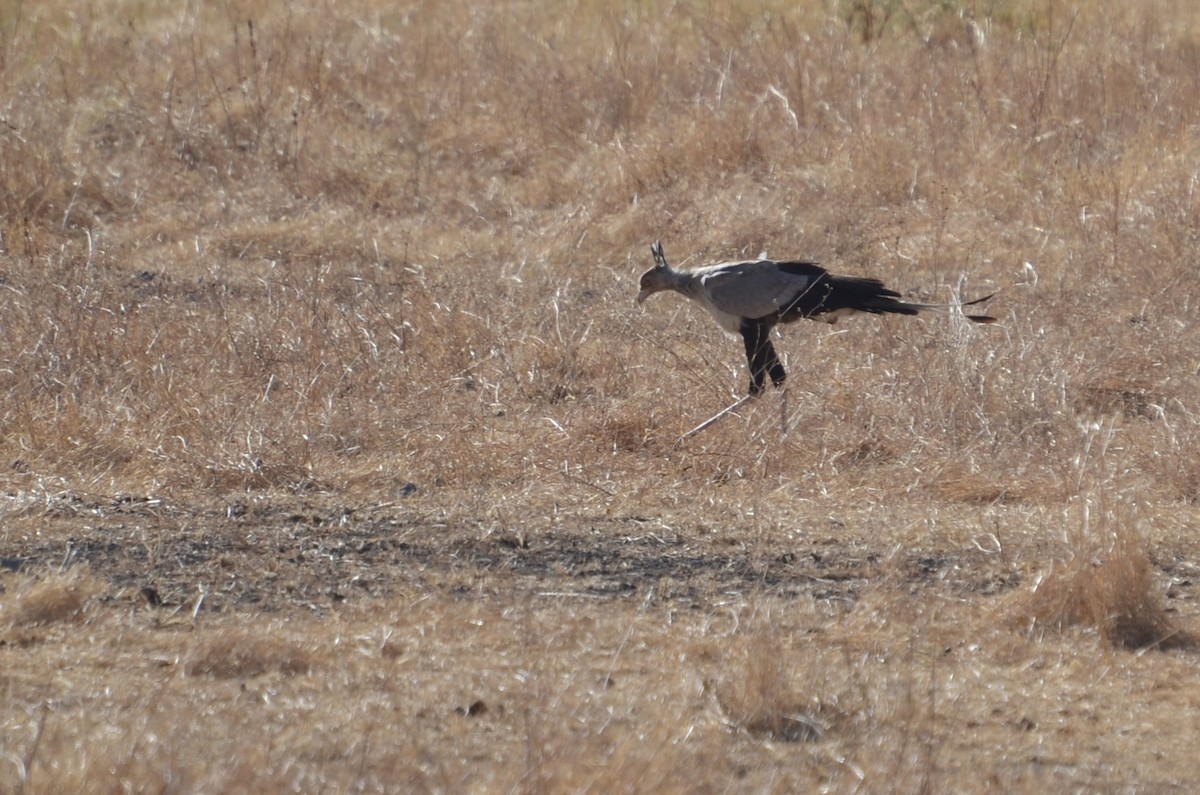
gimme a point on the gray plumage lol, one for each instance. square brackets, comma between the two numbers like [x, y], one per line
[750, 297]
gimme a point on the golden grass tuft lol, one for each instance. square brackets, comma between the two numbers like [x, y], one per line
[1102, 582]
[229, 653]
[757, 693]
[49, 599]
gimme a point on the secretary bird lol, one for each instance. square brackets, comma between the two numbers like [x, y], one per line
[750, 297]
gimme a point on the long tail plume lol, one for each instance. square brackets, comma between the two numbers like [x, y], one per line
[960, 305]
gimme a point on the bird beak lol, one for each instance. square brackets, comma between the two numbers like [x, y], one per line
[642, 296]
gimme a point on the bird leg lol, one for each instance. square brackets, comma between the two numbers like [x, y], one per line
[778, 375]
[763, 361]
[725, 412]
[708, 423]
[761, 356]
[784, 425]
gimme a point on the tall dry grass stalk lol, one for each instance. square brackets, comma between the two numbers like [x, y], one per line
[294, 246]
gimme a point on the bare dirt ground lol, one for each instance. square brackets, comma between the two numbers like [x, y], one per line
[318, 553]
[783, 657]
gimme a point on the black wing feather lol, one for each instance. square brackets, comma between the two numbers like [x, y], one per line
[829, 293]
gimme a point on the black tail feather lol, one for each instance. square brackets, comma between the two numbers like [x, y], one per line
[979, 318]
[887, 305]
[971, 317]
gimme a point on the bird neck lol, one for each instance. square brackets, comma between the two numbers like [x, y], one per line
[685, 282]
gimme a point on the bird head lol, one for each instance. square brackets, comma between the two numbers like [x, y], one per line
[654, 279]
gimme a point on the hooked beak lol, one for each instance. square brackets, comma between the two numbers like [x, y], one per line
[643, 295]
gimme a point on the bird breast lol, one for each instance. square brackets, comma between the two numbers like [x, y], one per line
[730, 322]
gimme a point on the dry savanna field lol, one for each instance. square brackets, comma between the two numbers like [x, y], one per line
[335, 455]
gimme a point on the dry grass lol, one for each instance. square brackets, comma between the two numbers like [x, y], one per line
[1105, 583]
[333, 447]
[49, 600]
[246, 653]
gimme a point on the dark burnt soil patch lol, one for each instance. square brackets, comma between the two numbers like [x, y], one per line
[289, 552]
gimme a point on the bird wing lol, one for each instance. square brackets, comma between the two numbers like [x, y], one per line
[758, 288]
